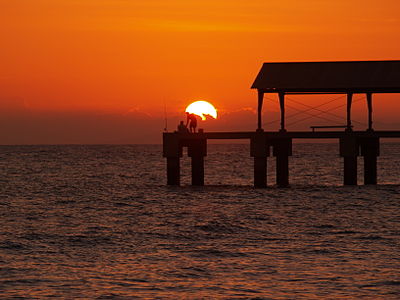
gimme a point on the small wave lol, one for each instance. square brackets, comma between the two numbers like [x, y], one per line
[115, 297]
[215, 253]
[322, 251]
[88, 241]
[217, 227]
[324, 226]
[121, 204]
[346, 232]
[372, 237]
[25, 281]
[9, 245]
[312, 251]
[382, 283]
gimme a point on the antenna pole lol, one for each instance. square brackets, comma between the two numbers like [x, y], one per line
[165, 116]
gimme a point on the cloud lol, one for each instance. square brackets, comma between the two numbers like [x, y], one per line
[32, 127]
[24, 126]
[13, 104]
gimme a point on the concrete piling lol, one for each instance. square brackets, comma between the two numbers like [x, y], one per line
[197, 150]
[173, 171]
[282, 150]
[349, 150]
[260, 172]
[350, 170]
[260, 151]
[282, 170]
[370, 173]
[198, 170]
[172, 150]
[370, 152]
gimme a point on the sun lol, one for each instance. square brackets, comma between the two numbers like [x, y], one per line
[202, 109]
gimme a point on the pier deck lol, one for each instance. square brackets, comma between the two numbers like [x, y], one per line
[351, 145]
[290, 134]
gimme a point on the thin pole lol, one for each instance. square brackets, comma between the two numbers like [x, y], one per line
[369, 102]
[349, 101]
[260, 104]
[165, 116]
[282, 105]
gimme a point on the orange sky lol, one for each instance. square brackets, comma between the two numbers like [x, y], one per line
[125, 58]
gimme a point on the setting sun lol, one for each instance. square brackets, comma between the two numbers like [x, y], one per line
[202, 109]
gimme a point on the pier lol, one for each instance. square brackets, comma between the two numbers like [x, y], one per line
[349, 78]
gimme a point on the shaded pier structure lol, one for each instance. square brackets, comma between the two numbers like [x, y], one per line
[295, 78]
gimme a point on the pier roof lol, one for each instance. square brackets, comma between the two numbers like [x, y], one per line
[329, 77]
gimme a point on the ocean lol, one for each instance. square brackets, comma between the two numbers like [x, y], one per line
[99, 222]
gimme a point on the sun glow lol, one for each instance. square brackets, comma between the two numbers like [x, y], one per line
[202, 109]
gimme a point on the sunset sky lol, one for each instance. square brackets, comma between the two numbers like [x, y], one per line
[104, 71]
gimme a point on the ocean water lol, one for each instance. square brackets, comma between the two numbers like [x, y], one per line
[87, 222]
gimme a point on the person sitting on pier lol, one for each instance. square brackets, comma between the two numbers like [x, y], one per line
[182, 128]
[192, 121]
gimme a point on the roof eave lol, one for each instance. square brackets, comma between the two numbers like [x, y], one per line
[389, 90]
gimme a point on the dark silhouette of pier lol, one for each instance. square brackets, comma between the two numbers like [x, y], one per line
[349, 78]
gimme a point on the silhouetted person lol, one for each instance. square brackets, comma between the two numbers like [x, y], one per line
[191, 121]
[182, 127]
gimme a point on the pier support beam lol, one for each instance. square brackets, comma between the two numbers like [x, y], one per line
[172, 150]
[173, 171]
[370, 166]
[370, 151]
[260, 172]
[260, 151]
[197, 149]
[349, 150]
[282, 170]
[350, 170]
[282, 151]
[198, 170]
